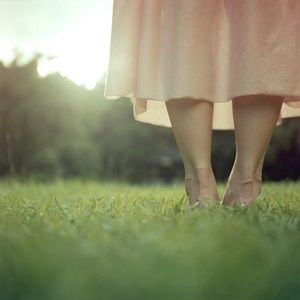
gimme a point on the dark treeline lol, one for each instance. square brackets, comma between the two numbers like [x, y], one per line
[50, 127]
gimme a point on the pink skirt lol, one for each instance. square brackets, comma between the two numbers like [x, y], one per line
[212, 50]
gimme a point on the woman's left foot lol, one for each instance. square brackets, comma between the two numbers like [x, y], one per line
[242, 192]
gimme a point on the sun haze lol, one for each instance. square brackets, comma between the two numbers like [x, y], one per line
[74, 34]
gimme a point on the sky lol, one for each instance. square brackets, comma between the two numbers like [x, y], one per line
[74, 36]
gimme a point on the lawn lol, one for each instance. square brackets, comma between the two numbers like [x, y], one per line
[77, 239]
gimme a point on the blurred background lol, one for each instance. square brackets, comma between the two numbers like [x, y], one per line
[55, 122]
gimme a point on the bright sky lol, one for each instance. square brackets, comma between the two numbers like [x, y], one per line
[75, 32]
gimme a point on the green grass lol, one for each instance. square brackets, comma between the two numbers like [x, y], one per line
[91, 240]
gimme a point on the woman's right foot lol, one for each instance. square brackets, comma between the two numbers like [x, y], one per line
[201, 189]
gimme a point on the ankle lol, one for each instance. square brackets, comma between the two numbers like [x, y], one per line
[193, 172]
[243, 180]
[203, 171]
[244, 176]
[204, 175]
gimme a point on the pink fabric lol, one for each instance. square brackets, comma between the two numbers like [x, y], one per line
[214, 50]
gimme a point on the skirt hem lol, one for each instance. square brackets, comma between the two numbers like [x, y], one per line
[152, 110]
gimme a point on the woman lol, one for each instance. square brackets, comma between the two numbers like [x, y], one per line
[198, 66]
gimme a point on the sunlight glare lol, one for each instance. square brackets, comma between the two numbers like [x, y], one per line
[82, 51]
[6, 52]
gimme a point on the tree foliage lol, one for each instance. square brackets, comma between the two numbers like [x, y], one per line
[50, 127]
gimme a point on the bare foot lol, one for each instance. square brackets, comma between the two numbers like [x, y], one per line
[201, 189]
[242, 191]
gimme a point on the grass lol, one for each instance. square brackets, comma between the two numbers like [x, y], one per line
[87, 240]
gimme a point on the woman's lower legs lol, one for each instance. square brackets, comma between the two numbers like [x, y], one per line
[255, 117]
[191, 121]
